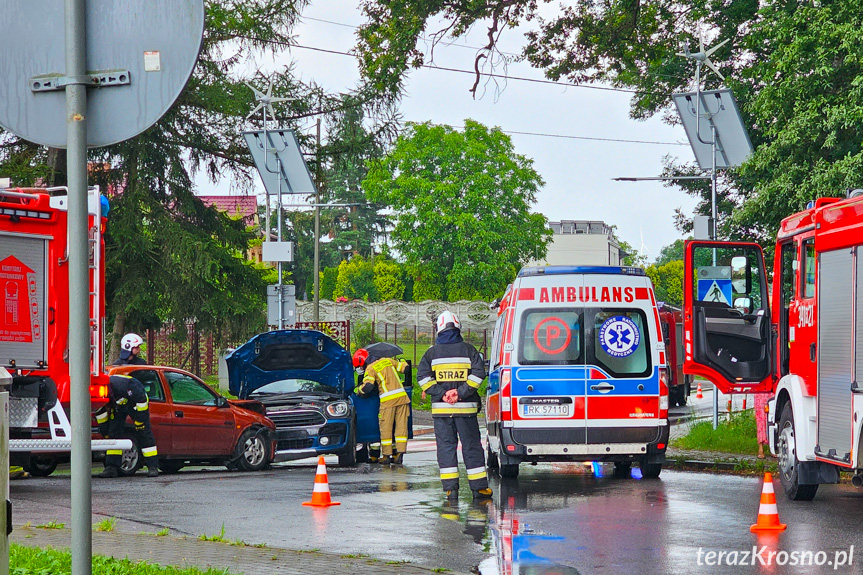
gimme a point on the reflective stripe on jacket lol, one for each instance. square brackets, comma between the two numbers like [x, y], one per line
[384, 373]
[452, 363]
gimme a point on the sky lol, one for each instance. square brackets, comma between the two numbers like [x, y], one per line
[578, 164]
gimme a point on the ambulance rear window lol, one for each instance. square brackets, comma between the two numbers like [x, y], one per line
[551, 337]
[620, 342]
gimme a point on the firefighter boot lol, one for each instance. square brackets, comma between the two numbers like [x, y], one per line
[110, 471]
[451, 495]
[480, 494]
[384, 460]
[153, 470]
[397, 458]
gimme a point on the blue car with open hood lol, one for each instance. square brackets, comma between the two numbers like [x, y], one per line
[305, 380]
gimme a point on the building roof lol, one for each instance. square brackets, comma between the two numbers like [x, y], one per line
[245, 207]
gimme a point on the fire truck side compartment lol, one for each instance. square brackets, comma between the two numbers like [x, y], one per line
[835, 327]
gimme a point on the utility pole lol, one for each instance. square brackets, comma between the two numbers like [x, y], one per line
[317, 272]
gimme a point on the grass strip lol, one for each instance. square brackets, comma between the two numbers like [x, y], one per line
[736, 435]
[25, 560]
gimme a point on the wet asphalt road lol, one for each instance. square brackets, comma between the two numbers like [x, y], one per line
[556, 518]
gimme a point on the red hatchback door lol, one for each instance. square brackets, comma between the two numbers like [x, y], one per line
[203, 423]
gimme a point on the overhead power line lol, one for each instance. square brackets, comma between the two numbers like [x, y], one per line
[534, 80]
[460, 71]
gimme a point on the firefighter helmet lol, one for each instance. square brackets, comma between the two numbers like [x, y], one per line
[446, 320]
[131, 340]
[360, 357]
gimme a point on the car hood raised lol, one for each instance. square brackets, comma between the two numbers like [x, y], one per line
[289, 354]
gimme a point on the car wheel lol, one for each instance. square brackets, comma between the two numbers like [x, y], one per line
[622, 469]
[508, 470]
[131, 460]
[42, 465]
[171, 466]
[786, 452]
[491, 459]
[252, 451]
[650, 470]
[363, 453]
[349, 457]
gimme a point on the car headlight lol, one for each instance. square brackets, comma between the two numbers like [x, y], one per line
[338, 409]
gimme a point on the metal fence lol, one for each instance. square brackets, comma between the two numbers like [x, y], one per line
[199, 353]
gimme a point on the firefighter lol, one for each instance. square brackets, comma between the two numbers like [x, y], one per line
[130, 347]
[382, 375]
[127, 398]
[450, 372]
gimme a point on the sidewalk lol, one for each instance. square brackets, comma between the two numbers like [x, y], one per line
[190, 552]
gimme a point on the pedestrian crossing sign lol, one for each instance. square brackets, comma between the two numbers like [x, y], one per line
[715, 290]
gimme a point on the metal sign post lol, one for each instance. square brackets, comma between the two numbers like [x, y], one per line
[136, 62]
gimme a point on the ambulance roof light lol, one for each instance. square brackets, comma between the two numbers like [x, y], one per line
[561, 270]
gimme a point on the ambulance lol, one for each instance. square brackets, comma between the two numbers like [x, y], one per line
[577, 371]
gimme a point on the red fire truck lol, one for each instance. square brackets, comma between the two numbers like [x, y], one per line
[34, 329]
[671, 323]
[802, 340]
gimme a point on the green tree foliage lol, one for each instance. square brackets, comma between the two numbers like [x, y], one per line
[667, 281]
[356, 280]
[793, 65]
[169, 258]
[389, 279]
[462, 204]
[328, 282]
[350, 146]
[671, 252]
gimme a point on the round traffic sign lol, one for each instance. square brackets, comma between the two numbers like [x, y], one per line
[142, 51]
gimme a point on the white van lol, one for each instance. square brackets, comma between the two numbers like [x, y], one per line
[577, 371]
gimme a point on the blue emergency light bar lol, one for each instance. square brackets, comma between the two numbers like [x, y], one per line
[563, 270]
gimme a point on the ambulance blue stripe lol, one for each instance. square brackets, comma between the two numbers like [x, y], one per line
[571, 381]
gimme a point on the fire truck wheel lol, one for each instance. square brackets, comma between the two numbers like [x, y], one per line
[650, 470]
[622, 469]
[786, 451]
[42, 465]
[131, 460]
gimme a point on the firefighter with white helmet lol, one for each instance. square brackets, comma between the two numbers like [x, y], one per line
[130, 347]
[451, 372]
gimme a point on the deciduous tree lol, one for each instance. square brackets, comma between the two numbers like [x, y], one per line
[462, 208]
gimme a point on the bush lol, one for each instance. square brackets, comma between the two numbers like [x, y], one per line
[328, 282]
[362, 334]
[388, 280]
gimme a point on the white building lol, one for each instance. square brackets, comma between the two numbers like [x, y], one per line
[582, 243]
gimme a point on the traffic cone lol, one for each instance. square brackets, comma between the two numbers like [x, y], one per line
[321, 492]
[698, 394]
[768, 515]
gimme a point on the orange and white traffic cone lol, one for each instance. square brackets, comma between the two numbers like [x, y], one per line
[698, 394]
[768, 514]
[321, 492]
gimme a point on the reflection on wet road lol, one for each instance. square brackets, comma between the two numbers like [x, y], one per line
[556, 518]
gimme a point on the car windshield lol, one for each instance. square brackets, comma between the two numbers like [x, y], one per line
[294, 386]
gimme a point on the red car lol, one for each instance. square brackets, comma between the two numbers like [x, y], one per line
[195, 425]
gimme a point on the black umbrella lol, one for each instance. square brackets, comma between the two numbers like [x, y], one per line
[383, 349]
